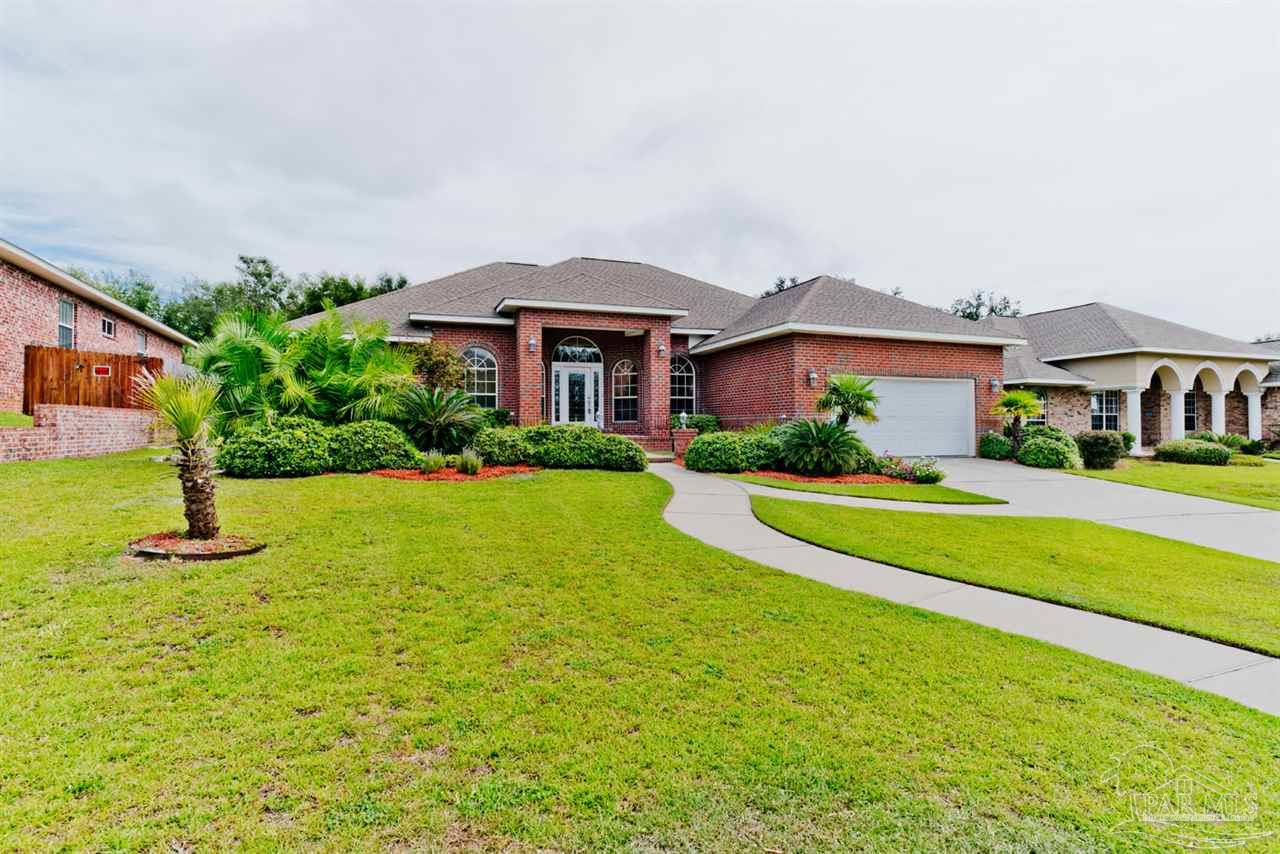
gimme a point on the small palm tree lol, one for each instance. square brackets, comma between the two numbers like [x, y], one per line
[850, 397]
[442, 419]
[1017, 404]
[188, 404]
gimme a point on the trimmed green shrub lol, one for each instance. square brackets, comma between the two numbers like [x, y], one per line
[1100, 449]
[925, 470]
[285, 447]
[497, 417]
[1129, 440]
[367, 445]
[502, 446]
[761, 450]
[1253, 447]
[440, 418]
[1234, 441]
[1047, 431]
[702, 422]
[814, 447]
[1193, 452]
[993, 446]
[561, 446]
[1043, 452]
[432, 462]
[469, 462]
[720, 452]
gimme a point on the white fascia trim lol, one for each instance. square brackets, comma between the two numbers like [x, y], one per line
[416, 317]
[42, 269]
[555, 305]
[409, 339]
[1248, 357]
[853, 332]
[1033, 381]
[682, 331]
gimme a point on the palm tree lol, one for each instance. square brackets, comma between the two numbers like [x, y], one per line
[187, 404]
[1017, 404]
[850, 397]
[440, 419]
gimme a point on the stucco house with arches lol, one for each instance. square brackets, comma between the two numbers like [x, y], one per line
[625, 345]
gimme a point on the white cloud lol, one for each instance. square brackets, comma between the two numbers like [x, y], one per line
[1061, 153]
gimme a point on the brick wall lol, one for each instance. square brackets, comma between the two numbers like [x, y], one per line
[76, 431]
[29, 315]
[498, 340]
[1271, 416]
[769, 379]
[1072, 410]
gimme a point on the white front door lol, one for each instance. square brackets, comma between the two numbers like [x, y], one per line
[576, 394]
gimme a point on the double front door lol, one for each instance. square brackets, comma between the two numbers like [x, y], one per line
[577, 394]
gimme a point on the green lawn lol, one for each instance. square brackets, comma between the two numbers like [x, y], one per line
[530, 663]
[928, 493]
[1254, 486]
[1087, 565]
[14, 419]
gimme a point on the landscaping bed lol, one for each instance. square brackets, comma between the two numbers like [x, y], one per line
[172, 544]
[453, 475]
[835, 478]
[859, 486]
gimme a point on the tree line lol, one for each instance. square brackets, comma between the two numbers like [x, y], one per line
[259, 285]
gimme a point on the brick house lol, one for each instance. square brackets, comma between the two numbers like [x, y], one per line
[1098, 366]
[624, 345]
[43, 305]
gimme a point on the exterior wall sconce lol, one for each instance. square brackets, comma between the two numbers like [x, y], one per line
[662, 348]
[533, 344]
[995, 385]
[813, 377]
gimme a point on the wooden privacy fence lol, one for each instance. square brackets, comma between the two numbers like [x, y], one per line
[81, 377]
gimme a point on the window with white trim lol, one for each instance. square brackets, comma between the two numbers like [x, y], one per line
[142, 342]
[108, 328]
[683, 385]
[577, 349]
[481, 380]
[1043, 417]
[625, 397]
[1189, 412]
[66, 324]
[1105, 410]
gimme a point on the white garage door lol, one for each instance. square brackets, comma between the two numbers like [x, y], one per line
[922, 417]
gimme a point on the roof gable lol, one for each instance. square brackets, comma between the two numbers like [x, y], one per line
[1097, 328]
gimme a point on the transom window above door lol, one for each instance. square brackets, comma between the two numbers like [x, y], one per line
[575, 348]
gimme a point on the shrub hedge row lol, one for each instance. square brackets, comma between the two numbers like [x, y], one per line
[563, 446]
[1193, 451]
[298, 447]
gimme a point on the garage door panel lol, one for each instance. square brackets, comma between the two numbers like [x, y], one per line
[921, 417]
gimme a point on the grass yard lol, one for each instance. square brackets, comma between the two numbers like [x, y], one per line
[1192, 589]
[531, 663]
[15, 419]
[1255, 486]
[928, 493]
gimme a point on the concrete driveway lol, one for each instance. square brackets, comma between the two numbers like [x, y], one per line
[1038, 492]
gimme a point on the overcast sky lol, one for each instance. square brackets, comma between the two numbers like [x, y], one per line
[1119, 151]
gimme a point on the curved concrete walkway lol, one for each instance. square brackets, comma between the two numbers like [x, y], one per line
[718, 511]
[1238, 528]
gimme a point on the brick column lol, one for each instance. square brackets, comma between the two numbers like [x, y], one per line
[528, 370]
[657, 379]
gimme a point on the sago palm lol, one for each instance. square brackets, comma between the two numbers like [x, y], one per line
[187, 404]
[850, 397]
[1017, 405]
[440, 419]
[815, 447]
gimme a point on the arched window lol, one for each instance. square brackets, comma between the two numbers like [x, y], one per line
[625, 383]
[481, 381]
[575, 348]
[683, 385]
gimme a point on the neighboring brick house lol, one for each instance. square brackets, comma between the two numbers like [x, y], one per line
[624, 345]
[1097, 366]
[41, 304]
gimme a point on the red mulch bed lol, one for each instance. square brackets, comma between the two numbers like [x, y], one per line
[171, 544]
[453, 475]
[839, 478]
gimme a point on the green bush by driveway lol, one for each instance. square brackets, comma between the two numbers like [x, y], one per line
[541, 663]
[1083, 564]
[1193, 452]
